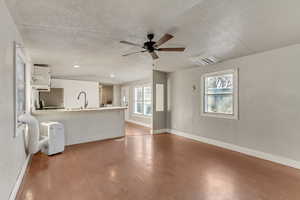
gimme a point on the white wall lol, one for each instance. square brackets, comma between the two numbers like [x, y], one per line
[269, 103]
[72, 89]
[12, 153]
[143, 120]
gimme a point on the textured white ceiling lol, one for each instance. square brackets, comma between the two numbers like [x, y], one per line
[62, 33]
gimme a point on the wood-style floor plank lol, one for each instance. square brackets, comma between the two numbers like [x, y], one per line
[156, 167]
[136, 130]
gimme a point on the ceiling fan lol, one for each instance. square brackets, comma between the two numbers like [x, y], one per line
[151, 46]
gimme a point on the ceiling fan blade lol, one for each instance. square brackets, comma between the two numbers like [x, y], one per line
[128, 54]
[164, 39]
[130, 43]
[154, 55]
[171, 49]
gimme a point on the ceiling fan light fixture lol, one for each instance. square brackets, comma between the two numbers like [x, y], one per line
[151, 46]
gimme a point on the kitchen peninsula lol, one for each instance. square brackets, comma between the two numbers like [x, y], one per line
[86, 125]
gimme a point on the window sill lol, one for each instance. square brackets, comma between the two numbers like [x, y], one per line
[219, 115]
[141, 115]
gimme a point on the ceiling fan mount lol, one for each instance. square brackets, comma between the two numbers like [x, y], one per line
[150, 36]
[151, 46]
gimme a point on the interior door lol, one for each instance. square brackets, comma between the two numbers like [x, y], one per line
[125, 100]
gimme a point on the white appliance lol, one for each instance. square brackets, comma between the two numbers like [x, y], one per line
[54, 131]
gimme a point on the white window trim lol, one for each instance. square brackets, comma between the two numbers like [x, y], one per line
[18, 52]
[135, 114]
[235, 95]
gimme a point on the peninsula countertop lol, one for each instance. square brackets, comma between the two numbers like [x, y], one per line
[86, 125]
[48, 111]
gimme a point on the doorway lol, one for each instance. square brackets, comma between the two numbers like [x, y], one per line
[125, 101]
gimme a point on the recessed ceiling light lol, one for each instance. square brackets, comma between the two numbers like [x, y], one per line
[76, 66]
[112, 76]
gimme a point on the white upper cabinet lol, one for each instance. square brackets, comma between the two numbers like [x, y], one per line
[41, 78]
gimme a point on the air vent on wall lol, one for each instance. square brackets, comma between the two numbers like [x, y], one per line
[204, 60]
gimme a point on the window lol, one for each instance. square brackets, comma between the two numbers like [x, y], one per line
[20, 87]
[143, 100]
[138, 100]
[219, 94]
[147, 101]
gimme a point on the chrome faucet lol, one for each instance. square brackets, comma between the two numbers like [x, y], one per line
[85, 100]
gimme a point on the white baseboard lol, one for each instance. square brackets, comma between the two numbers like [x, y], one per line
[251, 152]
[16, 188]
[139, 123]
[160, 131]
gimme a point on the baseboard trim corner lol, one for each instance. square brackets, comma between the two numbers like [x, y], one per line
[19, 180]
[244, 150]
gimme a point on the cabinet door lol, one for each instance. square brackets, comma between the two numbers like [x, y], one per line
[41, 76]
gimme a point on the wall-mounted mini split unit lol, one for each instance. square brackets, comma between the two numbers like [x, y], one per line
[204, 60]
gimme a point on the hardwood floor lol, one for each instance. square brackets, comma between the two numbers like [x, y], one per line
[158, 167]
[135, 130]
